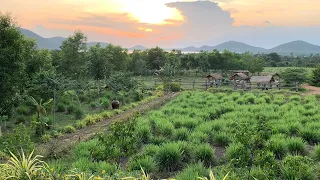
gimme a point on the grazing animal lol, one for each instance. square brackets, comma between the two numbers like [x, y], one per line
[115, 104]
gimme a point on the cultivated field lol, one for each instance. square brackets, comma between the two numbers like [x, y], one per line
[260, 135]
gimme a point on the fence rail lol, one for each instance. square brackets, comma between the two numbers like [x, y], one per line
[204, 85]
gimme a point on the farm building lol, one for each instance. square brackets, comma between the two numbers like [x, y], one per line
[246, 72]
[214, 79]
[262, 79]
[239, 76]
[215, 76]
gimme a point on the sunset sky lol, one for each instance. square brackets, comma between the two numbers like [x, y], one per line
[168, 23]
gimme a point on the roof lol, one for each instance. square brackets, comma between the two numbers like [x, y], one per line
[215, 76]
[241, 75]
[261, 79]
[240, 71]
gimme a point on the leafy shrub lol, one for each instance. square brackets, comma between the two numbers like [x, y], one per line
[46, 138]
[61, 107]
[296, 145]
[21, 119]
[80, 124]
[17, 140]
[193, 172]
[78, 113]
[69, 129]
[175, 87]
[71, 108]
[158, 140]
[204, 153]
[94, 105]
[24, 110]
[164, 128]
[144, 162]
[297, 167]
[169, 157]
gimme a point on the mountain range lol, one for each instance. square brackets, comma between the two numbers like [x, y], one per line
[294, 47]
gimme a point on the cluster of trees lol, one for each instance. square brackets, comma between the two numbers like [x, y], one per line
[275, 60]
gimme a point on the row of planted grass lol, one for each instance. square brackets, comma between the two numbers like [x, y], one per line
[261, 135]
[91, 119]
[275, 136]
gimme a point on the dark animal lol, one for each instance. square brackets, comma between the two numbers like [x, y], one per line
[115, 104]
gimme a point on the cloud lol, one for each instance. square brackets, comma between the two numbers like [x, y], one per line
[204, 22]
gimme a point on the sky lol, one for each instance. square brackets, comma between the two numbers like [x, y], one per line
[172, 24]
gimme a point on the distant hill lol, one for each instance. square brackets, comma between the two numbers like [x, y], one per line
[296, 47]
[138, 47]
[239, 47]
[43, 43]
[52, 43]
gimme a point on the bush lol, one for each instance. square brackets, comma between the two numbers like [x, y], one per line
[46, 138]
[316, 152]
[23, 110]
[297, 167]
[169, 157]
[78, 113]
[150, 149]
[94, 105]
[238, 154]
[69, 129]
[181, 134]
[144, 162]
[144, 133]
[204, 153]
[296, 145]
[71, 108]
[80, 125]
[61, 107]
[104, 168]
[312, 136]
[277, 145]
[222, 138]
[199, 137]
[193, 172]
[175, 87]
[21, 119]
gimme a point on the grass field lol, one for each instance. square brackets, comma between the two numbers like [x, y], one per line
[275, 136]
[281, 69]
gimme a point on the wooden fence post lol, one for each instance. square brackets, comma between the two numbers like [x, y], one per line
[297, 86]
[279, 85]
[194, 82]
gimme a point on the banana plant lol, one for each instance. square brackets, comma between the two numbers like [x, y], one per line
[41, 109]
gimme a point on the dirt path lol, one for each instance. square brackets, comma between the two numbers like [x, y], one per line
[63, 143]
[312, 89]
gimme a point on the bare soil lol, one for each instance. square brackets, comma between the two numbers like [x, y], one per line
[65, 142]
[311, 89]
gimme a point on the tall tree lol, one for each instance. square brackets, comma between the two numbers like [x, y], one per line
[156, 58]
[99, 65]
[13, 50]
[253, 64]
[73, 61]
[118, 57]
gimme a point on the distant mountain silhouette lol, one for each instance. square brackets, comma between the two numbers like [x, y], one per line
[138, 47]
[52, 43]
[239, 47]
[295, 47]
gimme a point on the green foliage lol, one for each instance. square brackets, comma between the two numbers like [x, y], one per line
[121, 82]
[69, 129]
[78, 113]
[205, 154]
[145, 162]
[169, 157]
[291, 76]
[297, 167]
[17, 140]
[193, 172]
[296, 145]
[315, 81]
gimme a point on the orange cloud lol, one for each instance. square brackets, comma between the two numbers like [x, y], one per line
[145, 29]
